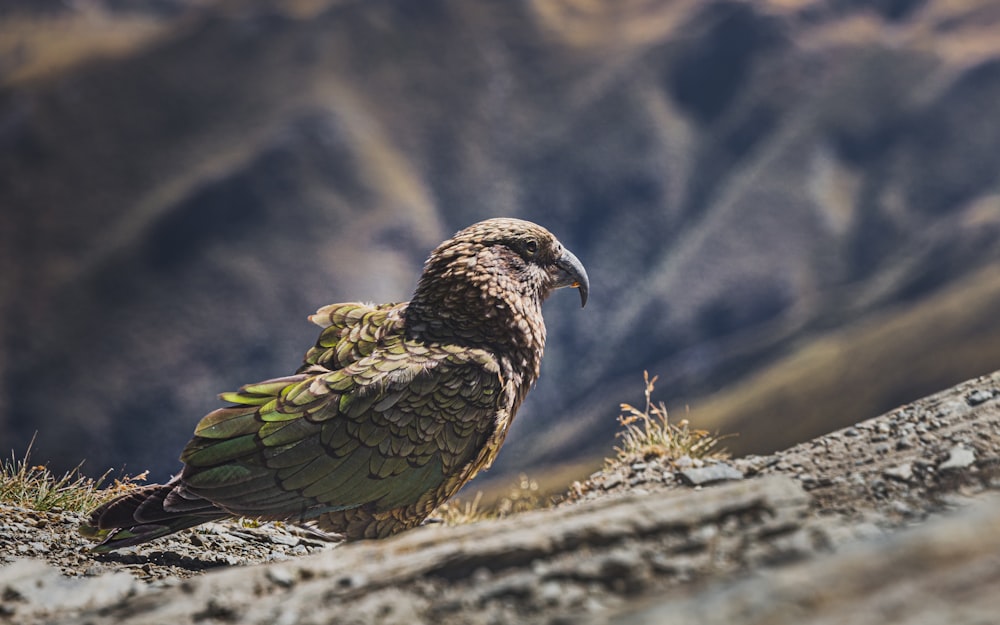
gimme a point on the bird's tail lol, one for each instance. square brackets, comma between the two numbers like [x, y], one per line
[147, 513]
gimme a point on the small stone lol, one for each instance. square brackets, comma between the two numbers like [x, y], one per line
[550, 593]
[959, 457]
[285, 539]
[611, 481]
[708, 475]
[901, 473]
[950, 407]
[354, 580]
[902, 509]
[852, 432]
[879, 488]
[977, 397]
[280, 576]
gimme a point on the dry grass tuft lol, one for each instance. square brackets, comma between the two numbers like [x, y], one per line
[648, 434]
[523, 496]
[35, 487]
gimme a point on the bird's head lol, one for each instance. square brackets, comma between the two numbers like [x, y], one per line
[497, 267]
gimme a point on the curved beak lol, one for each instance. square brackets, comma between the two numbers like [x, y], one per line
[569, 271]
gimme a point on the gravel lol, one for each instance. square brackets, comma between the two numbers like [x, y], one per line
[53, 537]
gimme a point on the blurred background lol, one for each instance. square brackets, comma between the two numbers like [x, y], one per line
[789, 209]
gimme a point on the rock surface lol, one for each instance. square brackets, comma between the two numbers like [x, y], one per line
[943, 572]
[824, 532]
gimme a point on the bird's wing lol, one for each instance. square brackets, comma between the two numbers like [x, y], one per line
[351, 331]
[384, 431]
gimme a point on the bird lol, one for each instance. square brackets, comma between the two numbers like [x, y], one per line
[393, 410]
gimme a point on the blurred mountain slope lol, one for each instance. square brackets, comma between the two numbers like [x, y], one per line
[741, 180]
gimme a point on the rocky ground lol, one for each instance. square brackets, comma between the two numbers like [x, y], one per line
[823, 529]
[53, 536]
[895, 469]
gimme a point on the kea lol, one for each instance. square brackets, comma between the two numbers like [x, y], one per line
[394, 409]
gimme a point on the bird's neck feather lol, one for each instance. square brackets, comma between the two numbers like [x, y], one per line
[480, 308]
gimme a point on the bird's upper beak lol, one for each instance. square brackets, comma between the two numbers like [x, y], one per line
[569, 271]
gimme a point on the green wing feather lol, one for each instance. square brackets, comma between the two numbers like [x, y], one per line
[383, 431]
[351, 332]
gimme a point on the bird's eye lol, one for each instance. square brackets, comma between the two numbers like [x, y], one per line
[531, 247]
